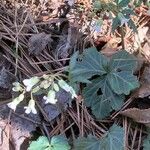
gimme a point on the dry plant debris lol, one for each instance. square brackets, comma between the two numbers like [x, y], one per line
[40, 37]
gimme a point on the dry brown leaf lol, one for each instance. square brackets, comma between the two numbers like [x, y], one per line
[38, 42]
[146, 50]
[6, 78]
[144, 90]
[140, 36]
[4, 135]
[111, 47]
[138, 115]
[20, 130]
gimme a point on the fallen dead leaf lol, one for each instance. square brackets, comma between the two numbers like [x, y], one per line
[140, 36]
[4, 135]
[6, 78]
[146, 50]
[38, 42]
[138, 115]
[144, 90]
[110, 47]
[19, 128]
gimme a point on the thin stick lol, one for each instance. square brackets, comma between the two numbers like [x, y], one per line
[122, 37]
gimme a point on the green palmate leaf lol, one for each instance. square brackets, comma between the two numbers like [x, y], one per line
[122, 82]
[123, 61]
[88, 64]
[101, 107]
[89, 143]
[116, 23]
[127, 12]
[116, 101]
[106, 92]
[97, 5]
[113, 140]
[123, 3]
[132, 26]
[57, 143]
[42, 143]
[90, 92]
[60, 143]
[146, 143]
[103, 104]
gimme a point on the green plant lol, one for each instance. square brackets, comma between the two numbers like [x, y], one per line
[46, 84]
[117, 10]
[112, 140]
[146, 143]
[56, 143]
[112, 78]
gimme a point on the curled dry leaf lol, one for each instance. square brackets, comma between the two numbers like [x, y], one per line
[146, 50]
[19, 128]
[140, 36]
[138, 115]
[144, 90]
[38, 42]
[110, 47]
[6, 78]
[4, 135]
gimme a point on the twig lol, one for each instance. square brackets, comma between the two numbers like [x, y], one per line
[122, 37]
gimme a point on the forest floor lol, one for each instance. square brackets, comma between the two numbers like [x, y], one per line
[39, 37]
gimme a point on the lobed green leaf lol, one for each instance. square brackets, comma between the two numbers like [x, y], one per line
[114, 79]
[146, 143]
[113, 140]
[88, 64]
[57, 143]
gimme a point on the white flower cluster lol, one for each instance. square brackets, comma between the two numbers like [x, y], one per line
[29, 83]
[33, 85]
[16, 101]
[51, 96]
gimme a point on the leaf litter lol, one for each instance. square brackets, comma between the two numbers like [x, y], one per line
[44, 43]
[38, 42]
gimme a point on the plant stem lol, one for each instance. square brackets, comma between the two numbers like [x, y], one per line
[122, 37]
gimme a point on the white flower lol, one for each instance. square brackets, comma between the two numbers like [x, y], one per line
[36, 89]
[45, 84]
[17, 87]
[31, 107]
[29, 83]
[73, 93]
[67, 88]
[50, 98]
[64, 85]
[56, 87]
[16, 84]
[45, 76]
[15, 102]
